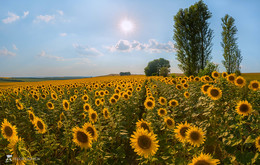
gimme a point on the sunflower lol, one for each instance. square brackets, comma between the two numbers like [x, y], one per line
[214, 93]
[215, 74]
[204, 159]
[31, 116]
[97, 102]
[173, 103]
[205, 88]
[195, 136]
[144, 143]
[257, 143]
[162, 112]
[138, 89]
[93, 116]
[14, 147]
[82, 138]
[116, 96]
[72, 99]
[244, 108]
[91, 129]
[144, 125]
[224, 74]
[254, 85]
[59, 124]
[106, 113]
[54, 96]
[112, 100]
[86, 107]
[185, 86]
[231, 78]
[186, 94]
[40, 125]
[178, 86]
[125, 96]
[180, 131]
[162, 101]
[240, 81]
[61, 116]
[169, 122]
[19, 105]
[66, 105]
[84, 97]
[36, 97]
[8, 131]
[50, 105]
[149, 104]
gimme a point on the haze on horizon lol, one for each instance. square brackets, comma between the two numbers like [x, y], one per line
[92, 38]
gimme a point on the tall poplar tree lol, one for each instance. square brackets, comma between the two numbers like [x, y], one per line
[232, 55]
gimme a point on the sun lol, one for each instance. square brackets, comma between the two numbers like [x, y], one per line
[127, 26]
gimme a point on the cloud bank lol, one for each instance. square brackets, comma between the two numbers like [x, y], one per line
[86, 50]
[6, 52]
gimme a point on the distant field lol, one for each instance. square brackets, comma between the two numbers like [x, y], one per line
[251, 76]
[32, 79]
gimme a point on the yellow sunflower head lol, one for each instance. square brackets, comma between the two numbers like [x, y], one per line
[204, 159]
[106, 113]
[66, 105]
[162, 100]
[240, 81]
[214, 93]
[173, 103]
[8, 131]
[144, 143]
[54, 96]
[112, 100]
[97, 102]
[82, 138]
[31, 116]
[205, 88]
[116, 96]
[19, 105]
[244, 108]
[93, 116]
[180, 131]
[162, 112]
[125, 96]
[254, 85]
[149, 104]
[179, 86]
[59, 124]
[144, 125]
[86, 107]
[231, 78]
[84, 97]
[195, 136]
[186, 95]
[50, 105]
[169, 122]
[215, 74]
[40, 125]
[88, 127]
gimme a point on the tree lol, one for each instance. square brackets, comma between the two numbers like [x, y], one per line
[232, 55]
[153, 67]
[164, 71]
[193, 38]
[209, 68]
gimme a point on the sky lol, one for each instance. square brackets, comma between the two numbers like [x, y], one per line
[100, 37]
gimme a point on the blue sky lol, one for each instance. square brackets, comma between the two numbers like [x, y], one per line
[85, 37]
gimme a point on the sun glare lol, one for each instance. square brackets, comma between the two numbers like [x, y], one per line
[127, 26]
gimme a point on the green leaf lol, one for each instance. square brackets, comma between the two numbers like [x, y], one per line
[249, 140]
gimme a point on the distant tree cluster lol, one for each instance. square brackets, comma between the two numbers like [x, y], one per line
[157, 67]
[125, 73]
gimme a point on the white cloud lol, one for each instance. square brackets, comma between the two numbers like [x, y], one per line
[14, 47]
[63, 34]
[25, 13]
[60, 12]
[45, 18]
[152, 46]
[86, 50]
[57, 58]
[12, 17]
[5, 52]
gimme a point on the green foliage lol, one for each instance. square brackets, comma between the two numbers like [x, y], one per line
[210, 67]
[232, 55]
[164, 71]
[125, 73]
[193, 38]
[153, 67]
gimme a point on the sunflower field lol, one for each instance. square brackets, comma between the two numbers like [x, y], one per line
[206, 120]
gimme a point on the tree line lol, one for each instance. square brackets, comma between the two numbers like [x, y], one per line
[193, 42]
